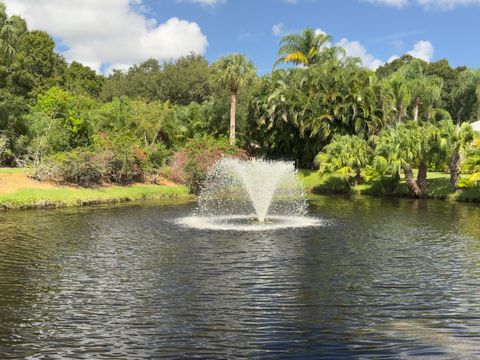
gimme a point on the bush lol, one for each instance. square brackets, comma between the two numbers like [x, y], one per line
[190, 164]
[114, 158]
[80, 166]
[385, 186]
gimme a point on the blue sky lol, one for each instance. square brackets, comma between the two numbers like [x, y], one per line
[110, 34]
[246, 26]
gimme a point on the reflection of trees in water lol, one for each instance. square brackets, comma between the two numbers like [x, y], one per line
[386, 258]
[34, 245]
[126, 276]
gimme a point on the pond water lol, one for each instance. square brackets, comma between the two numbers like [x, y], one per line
[379, 278]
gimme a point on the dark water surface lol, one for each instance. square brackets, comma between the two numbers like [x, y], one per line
[385, 279]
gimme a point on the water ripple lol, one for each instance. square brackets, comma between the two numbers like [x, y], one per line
[383, 279]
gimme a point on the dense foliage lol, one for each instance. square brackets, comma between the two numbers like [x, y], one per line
[190, 164]
[317, 107]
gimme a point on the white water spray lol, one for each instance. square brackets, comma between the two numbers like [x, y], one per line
[251, 195]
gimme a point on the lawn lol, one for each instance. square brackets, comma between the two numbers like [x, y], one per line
[18, 191]
[63, 197]
[438, 187]
[4, 170]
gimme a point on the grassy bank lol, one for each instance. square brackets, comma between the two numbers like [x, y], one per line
[14, 170]
[438, 187]
[18, 191]
[64, 197]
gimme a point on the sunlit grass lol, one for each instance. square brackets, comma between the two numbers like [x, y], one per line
[14, 170]
[438, 187]
[63, 197]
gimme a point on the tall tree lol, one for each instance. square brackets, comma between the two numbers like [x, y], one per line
[234, 71]
[36, 66]
[140, 81]
[396, 93]
[450, 77]
[425, 90]
[9, 34]
[466, 97]
[393, 66]
[80, 79]
[186, 80]
[306, 48]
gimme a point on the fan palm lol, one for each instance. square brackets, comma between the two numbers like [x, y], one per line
[455, 142]
[234, 71]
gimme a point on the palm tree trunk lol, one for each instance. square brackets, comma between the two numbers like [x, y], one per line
[415, 109]
[233, 109]
[455, 171]
[411, 183]
[399, 115]
[422, 178]
[358, 177]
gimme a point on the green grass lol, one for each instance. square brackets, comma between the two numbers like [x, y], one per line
[310, 179]
[62, 197]
[14, 170]
[438, 187]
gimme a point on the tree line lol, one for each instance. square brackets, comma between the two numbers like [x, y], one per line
[314, 102]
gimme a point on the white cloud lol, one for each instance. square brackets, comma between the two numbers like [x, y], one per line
[393, 3]
[427, 4]
[356, 49]
[319, 31]
[393, 57]
[207, 2]
[353, 48]
[422, 50]
[446, 4]
[110, 33]
[278, 30]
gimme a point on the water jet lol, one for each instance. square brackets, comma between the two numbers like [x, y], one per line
[251, 195]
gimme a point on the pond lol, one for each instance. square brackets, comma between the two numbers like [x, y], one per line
[378, 278]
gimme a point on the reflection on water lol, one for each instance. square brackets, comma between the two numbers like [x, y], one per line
[386, 278]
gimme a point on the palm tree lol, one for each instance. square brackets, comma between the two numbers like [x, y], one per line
[407, 145]
[234, 71]
[305, 48]
[8, 36]
[397, 92]
[455, 140]
[466, 96]
[426, 91]
[346, 156]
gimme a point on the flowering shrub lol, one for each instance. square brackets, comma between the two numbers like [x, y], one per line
[79, 166]
[113, 158]
[190, 164]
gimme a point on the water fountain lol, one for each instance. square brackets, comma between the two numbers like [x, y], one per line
[251, 195]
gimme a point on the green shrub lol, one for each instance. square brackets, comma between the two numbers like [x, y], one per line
[80, 166]
[113, 158]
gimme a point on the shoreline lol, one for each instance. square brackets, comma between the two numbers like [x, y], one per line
[24, 193]
[19, 192]
[438, 188]
[28, 198]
